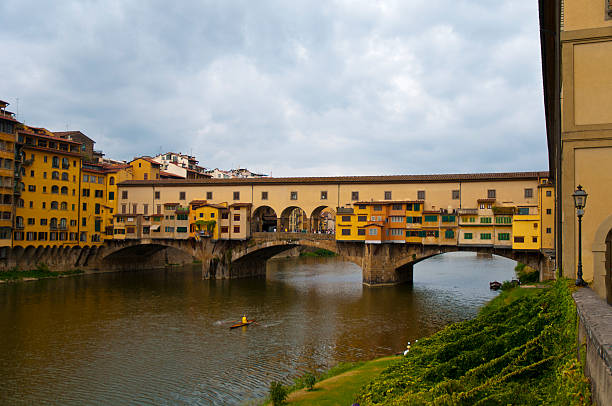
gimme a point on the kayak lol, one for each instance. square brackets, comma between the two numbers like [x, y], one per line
[242, 324]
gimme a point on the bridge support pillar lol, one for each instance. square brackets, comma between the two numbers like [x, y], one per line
[379, 268]
[216, 268]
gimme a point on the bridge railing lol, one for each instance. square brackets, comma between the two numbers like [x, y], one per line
[292, 236]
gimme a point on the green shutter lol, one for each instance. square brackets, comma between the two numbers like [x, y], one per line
[409, 220]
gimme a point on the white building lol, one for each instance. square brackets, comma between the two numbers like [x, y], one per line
[184, 166]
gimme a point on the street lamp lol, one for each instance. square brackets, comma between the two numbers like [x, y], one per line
[580, 197]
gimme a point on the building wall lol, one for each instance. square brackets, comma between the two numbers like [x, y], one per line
[586, 138]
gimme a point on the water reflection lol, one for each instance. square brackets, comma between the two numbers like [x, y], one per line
[162, 337]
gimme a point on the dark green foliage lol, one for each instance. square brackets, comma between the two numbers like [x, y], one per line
[320, 252]
[526, 274]
[309, 380]
[278, 393]
[522, 352]
[41, 271]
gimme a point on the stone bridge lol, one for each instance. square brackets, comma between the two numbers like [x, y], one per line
[380, 263]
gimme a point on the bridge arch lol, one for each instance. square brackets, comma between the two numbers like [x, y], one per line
[144, 256]
[323, 220]
[293, 219]
[264, 219]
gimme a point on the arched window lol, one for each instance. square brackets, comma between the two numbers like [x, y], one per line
[63, 224]
[111, 180]
[64, 190]
[64, 206]
[53, 223]
[65, 163]
[55, 162]
[20, 203]
[55, 189]
[54, 205]
[64, 175]
[55, 175]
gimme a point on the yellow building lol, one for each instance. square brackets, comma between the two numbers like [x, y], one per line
[7, 168]
[204, 219]
[47, 205]
[145, 168]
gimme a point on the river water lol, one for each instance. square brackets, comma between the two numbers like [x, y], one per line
[162, 337]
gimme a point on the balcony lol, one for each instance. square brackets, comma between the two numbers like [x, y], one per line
[467, 211]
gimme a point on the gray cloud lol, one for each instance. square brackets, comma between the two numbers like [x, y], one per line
[299, 88]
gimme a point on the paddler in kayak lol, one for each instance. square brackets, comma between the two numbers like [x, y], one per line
[244, 319]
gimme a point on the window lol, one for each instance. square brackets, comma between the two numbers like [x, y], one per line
[362, 218]
[236, 216]
[45, 159]
[431, 219]
[64, 206]
[99, 193]
[503, 220]
[347, 218]
[397, 207]
[236, 195]
[43, 222]
[31, 188]
[73, 223]
[361, 231]
[449, 234]
[42, 236]
[134, 207]
[157, 195]
[182, 195]
[97, 209]
[224, 229]
[294, 195]
[455, 194]
[209, 195]
[55, 175]
[146, 176]
[548, 230]
[491, 194]
[55, 162]
[145, 209]
[158, 209]
[421, 195]
[346, 231]
[528, 193]
[548, 211]
[396, 219]
[354, 195]
[362, 207]
[448, 219]
[111, 180]
[323, 195]
[123, 208]
[236, 229]
[65, 176]
[264, 195]
[467, 236]
[224, 215]
[548, 193]
[64, 190]
[169, 229]
[534, 239]
[124, 194]
[84, 206]
[523, 210]
[183, 216]
[84, 222]
[97, 226]
[377, 207]
[54, 205]
[387, 195]
[85, 192]
[111, 195]
[55, 189]
[485, 236]
[519, 239]
[503, 236]
[373, 231]
[181, 229]
[397, 231]
[485, 220]
[31, 221]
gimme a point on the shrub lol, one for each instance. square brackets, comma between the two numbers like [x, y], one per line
[42, 267]
[278, 393]
[309, 380]
[526, 274]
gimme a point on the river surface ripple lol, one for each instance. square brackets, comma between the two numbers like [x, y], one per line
[162, 337]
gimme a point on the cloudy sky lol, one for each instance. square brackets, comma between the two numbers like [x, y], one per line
[296, 88]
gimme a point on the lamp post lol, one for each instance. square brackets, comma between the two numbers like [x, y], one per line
[580, 197]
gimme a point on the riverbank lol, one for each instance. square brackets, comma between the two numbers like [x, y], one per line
[520, 349]
[34, 274]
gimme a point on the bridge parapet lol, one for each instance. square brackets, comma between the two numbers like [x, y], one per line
[293, 236]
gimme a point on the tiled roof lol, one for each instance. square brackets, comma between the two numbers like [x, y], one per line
[170, 175]
[467, 177]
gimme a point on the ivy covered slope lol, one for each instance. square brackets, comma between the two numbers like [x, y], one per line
[520, 352]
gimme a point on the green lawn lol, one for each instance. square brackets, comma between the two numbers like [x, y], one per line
[34, 273]
[341, 389]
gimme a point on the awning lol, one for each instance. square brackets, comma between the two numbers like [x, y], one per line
[155, 227]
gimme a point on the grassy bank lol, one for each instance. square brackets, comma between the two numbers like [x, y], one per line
[520, 349]
[38, 273]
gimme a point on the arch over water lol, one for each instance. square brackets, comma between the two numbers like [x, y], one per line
[143, 256]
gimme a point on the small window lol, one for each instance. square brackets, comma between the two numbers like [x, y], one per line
[157, 195]
[323, 195]
[124, 194]
[534, 239]
[294, 195]
[111, 195]
[346, 218]
[354, 195]
[548, 211]
[528, 193]
[111, 180]
[346, 231]
[455, 195]
[421, 195]
[264, 195]
[209, 195]
[491, 194]
[377, 207]
[387, 195]
[236, 195]
[362, 218]
[548, 230]
[397, 206]
[373, 231]
[236, 216]
[519, 239]
[523, 210]
[361, 231]
[548, 193]
[236, 229]
[467, 236]
[182, 195]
